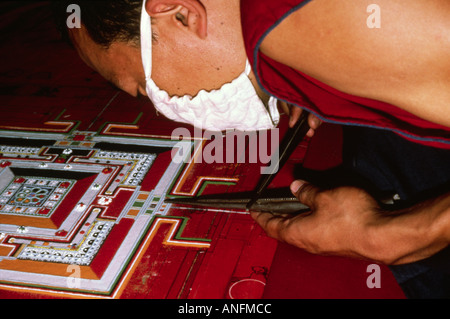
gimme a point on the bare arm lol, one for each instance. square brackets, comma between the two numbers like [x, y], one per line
[406, 62]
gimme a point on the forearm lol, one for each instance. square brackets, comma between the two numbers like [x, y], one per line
[412, 234]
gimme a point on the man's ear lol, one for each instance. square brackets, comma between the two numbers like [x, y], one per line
[189, 13]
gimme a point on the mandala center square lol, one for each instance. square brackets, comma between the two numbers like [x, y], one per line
[33, 196]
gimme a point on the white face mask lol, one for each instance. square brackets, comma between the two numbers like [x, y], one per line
[235, 105]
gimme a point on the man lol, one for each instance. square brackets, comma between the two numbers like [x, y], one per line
[375, 77]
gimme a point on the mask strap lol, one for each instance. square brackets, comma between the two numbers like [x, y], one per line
[272, 107]
[146, 41]
[248, 68]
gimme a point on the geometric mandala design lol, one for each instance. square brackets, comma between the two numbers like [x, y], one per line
[36, 197]
[88, 201]
[82, 255]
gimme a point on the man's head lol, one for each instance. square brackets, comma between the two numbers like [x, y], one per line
[196, 46]
[199, 44]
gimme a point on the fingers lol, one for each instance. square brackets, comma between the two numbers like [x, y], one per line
[294, 115]
[273, 225]
[290, 228]
[305, 192]
[313, 121]
[278, 226]
[285, 108]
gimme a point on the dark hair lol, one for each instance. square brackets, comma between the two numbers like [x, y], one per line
[105, 21]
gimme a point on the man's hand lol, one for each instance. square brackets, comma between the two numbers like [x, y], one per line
[347, 221]
[337, 224]
[294, 114]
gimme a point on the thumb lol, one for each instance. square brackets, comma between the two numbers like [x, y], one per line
[305, 192]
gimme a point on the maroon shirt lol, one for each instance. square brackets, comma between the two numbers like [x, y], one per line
[258, 18]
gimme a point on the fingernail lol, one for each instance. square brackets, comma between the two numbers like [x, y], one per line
[291, 121]
[295, 186]
[316, 122]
